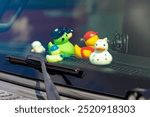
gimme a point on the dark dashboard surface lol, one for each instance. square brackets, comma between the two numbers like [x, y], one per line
[115, 79]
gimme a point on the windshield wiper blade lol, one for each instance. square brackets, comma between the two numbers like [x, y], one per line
[51, 68]
[51, 91]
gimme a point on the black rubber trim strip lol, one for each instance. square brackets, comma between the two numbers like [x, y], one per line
[51, 68]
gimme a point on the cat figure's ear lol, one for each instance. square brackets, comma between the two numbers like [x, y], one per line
[105, 39]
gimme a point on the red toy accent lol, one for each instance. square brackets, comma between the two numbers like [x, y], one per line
[86, 48]
[89, 34]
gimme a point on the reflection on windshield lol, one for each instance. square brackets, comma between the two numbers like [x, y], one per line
[21, 29]
[38, 19]
[99, 15]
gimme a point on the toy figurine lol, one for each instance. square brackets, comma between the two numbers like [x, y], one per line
[61, 38]
[37, 47]
[101, 56]
[55, 54]
[90, 39]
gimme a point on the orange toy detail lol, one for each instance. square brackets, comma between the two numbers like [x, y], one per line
[83, 52]
[90, 39]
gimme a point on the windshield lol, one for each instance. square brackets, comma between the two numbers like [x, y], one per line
[25, 21]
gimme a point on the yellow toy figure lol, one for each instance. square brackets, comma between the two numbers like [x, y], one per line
[90, 39]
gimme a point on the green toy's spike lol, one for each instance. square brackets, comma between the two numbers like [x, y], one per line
[50, 44]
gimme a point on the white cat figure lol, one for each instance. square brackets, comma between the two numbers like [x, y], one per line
[101, 56]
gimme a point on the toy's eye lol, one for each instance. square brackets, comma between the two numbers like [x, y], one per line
[104, 45]
[66, 35]
[61, 55]
[62, 39]
[96, 44]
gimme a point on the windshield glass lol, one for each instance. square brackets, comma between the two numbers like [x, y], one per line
[124, 22]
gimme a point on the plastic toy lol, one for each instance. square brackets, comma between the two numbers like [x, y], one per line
[83, 52]
[101, 56]
[61, 38]
[37, 47]
[90, 39]
[55, 54]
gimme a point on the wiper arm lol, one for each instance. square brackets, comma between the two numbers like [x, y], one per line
[51, 91]
[37, 61]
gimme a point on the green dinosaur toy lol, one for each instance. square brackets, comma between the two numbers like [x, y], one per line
[61, 38]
